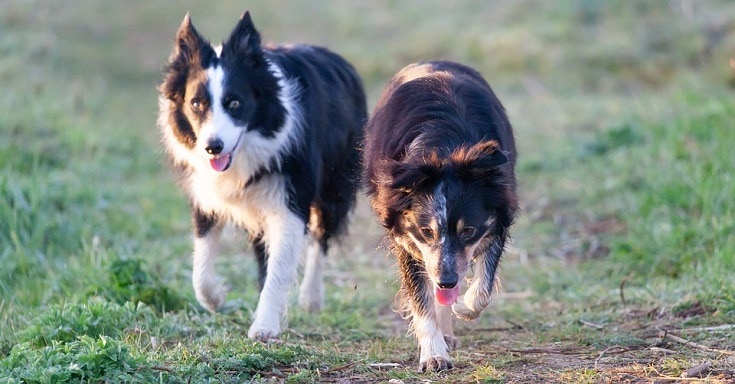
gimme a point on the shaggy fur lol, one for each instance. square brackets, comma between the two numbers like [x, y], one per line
[439, 155]
[265, 138]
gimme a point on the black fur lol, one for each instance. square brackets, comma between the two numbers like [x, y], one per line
[203, 222]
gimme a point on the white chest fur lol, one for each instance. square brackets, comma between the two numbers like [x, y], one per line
[227, 196]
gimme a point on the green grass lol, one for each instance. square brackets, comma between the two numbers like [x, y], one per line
[624, 118]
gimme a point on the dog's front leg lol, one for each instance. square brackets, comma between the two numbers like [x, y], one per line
[283, 237]
[209, 291]
[433, 349]
[478, 294]
[445, 320]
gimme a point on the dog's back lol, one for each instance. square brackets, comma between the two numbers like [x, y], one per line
[431, 93]
[329, 152]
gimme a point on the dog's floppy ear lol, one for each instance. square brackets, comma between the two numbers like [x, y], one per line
[395, 184]
[245, 39]
[405, 177]
[479, 161]
[409, 175]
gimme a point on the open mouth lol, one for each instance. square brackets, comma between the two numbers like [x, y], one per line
[446, 296]
[221, 162]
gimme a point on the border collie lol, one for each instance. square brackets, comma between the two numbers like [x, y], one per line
[266, 138]
[439, 158]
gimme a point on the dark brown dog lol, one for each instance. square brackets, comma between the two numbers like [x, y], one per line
[439, 157]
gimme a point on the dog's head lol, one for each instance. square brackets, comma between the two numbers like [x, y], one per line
[446, 208]
[212, 96]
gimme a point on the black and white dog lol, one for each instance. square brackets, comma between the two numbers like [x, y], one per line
[266, 138]
[439, 158]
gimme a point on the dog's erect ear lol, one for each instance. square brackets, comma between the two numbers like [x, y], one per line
[245, 39]
[188, 41]
[190, 50]
[479, 161]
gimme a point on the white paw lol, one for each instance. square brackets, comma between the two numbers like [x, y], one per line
[434, 352]
[312, 298]
[263, 334]
[211, 296]
[462, 312]
[435, 364]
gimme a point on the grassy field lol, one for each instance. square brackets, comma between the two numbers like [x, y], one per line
[622, 262]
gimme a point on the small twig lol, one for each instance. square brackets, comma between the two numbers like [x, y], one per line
[610, 350]
[297, 334]
[516, 325]
[664, 334]
[548, 351]
[678, 379]
[591, 324]
[724, 327]
[495, 329]
[340, 368]
[698, 370]
[164, 369]
[384, 365]
[662, 350]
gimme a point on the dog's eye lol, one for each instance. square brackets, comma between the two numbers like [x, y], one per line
[427, 232]
[467, 233]
[233, 104]
[196, 104]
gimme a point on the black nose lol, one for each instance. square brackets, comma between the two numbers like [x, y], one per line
[448, 277]
[447, 284]
[214, 147]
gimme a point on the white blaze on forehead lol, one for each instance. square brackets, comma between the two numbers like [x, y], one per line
[216, 79]
[439, 208]
[216, 89]
[220, 125]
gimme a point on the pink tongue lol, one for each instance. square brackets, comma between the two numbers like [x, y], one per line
[446, 296]
[221, 163]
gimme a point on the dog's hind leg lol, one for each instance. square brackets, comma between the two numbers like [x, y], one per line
[261, 256]
[209, 291]
[311, 291]
[433, 348]
[479, 293]
[284, 235]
